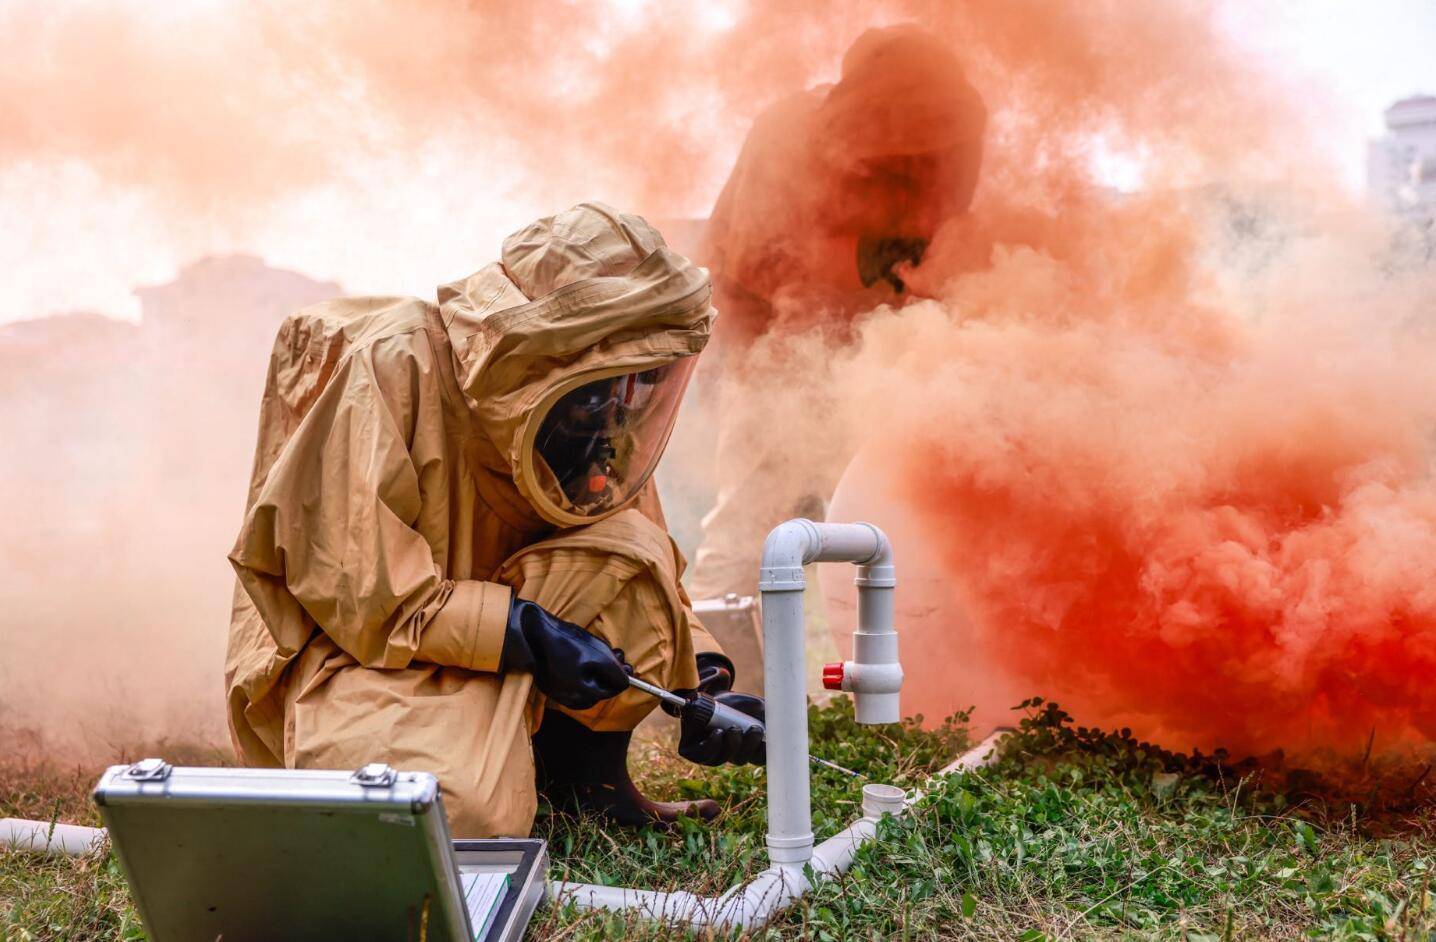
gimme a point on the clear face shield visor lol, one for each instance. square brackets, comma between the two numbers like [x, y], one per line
[598, 442]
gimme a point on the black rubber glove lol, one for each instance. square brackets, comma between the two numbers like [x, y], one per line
[715, 673]
[700, 743]
[570, 666]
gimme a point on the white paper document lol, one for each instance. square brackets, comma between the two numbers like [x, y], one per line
[483, 894]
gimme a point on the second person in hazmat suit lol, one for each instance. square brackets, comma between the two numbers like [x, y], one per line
[453, 550]
[837, 192]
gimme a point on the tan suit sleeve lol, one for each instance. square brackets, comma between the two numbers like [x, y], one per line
[702, 640]
[329, 536]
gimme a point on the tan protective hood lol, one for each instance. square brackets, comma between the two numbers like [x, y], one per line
[585, 293]
[902, 92]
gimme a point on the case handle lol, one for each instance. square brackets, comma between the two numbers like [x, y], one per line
[374, 775]
[149, 770]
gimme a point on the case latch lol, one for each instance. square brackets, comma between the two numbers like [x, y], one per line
[375, 775]
[149, 770]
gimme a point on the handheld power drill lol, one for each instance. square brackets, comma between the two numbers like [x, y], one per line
[703, 710]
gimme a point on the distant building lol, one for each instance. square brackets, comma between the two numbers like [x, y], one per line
[1401, 165]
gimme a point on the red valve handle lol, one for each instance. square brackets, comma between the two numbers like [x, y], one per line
[833, 676]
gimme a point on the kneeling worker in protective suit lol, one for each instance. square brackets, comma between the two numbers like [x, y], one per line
[453, 550]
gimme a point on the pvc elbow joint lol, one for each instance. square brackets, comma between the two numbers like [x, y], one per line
[793, 544]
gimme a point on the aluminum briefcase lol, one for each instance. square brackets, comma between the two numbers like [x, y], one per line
[279, 854]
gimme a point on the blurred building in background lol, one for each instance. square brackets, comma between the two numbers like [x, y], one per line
[1401, 165]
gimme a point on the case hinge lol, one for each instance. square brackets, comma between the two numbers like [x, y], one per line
[374, 775]
[149, 770]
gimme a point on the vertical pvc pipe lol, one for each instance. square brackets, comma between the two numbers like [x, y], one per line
[790, 811]
[876, 643]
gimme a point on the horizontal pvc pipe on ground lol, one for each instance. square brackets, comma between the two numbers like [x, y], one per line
[749, 905]
[979, 755]
[984, 753]
[43, 837]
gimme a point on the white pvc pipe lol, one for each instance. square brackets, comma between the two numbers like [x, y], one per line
[874, 675]
[44, 837]
[984, 753]
[790, 811]
[789, 547]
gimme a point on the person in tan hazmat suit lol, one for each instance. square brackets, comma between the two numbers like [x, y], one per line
[835, 190]
[453, 550]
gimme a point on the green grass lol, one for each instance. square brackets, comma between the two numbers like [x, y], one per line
[59, 897]
[1073, 834]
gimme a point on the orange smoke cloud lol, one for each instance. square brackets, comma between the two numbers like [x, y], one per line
[222, 106]
[1231, 551]
[1167, 455]
[1171, 452]
[227, 108]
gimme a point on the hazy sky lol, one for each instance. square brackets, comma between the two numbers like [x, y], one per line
[1354, 56]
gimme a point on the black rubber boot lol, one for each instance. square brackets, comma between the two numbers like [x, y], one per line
[582, 770]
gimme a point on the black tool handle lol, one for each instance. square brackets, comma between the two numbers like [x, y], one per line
[706, 711]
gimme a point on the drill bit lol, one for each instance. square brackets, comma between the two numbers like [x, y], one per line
[675, 700]
[834, 766]
[654, 690]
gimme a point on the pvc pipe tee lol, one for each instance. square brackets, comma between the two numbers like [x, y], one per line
[874, 679]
